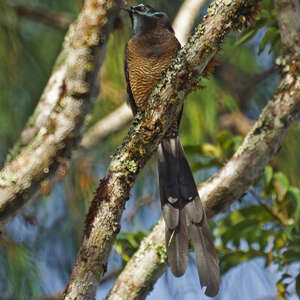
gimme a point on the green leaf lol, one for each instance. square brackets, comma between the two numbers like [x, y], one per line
[224, 136]
[245, 37]
[127, 243]
[233, 258]
[211, 150]
[292, 255]
[284, 184]
[294, 246]
[240, 229]
[238, 139]
[271, 34]
[294, 193]
[268, 173]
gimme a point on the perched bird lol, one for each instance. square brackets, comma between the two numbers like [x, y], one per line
[151, 49]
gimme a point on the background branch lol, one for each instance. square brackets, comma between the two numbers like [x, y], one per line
[186, 17]
[64, 103]
[104, 128]
[237, 122]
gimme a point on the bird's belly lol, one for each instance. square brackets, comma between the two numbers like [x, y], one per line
[143, 78]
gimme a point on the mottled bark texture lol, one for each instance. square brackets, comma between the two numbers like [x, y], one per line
[55, 125]
[103, 218]
[233, 180]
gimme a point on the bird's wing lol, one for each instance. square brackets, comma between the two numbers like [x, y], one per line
[130, 99]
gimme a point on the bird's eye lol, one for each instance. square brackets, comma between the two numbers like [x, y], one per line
[142, 8]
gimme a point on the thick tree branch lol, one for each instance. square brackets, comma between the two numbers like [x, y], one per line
[231, 182]
[103, 219]
[64, 104]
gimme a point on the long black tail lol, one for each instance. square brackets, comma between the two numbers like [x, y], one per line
[184, 216]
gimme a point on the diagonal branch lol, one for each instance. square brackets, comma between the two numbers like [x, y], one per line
[103, 218]
[62, 108]
[233, 180]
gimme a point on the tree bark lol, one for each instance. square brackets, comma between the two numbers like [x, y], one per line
[55, 125]
[103, 218]
[233, 180]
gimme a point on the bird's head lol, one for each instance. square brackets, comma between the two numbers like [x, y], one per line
[144, 18]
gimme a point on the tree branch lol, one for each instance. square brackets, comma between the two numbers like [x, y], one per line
[185, 18]
[106, 127]
[236, 122]
[288, 16]
[64, 103]
[103, 218]
[229, 183]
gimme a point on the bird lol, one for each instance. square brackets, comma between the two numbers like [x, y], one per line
[148, 53]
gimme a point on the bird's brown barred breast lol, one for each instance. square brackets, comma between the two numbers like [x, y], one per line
[148, 56]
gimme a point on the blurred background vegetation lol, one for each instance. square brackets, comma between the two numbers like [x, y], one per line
[258, 238]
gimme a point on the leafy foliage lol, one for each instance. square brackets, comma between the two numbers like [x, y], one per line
[269, 229]
[266, 19]
[127, 243]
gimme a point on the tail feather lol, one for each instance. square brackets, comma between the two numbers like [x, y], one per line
[170, 213]
[178, 247]
[166, 167]
[207, 264]
[183, 213]
[194, 210]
